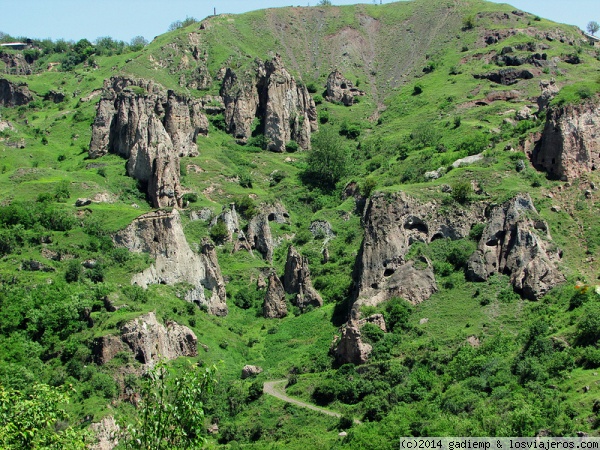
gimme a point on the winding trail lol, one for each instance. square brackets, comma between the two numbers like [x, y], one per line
[276, 388]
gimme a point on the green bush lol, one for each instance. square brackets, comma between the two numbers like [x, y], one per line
[291, 147]
[219, 233]
[318, 99]
[476, 232]
[190, 197]
[462, 191]
[323, 116]
[246, 207]
[73, 272]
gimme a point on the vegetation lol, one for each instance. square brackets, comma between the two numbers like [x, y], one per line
[474, 359]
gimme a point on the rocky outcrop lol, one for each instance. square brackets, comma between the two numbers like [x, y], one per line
[229, 217]
[515, 243]
[259, 234]
[274, 306]
[148, 340]
[570, 140]
[392, 223]
[506, 77]
[296, 280]
[250, 371]
[549, 89]
[13, 94]
[341, 90]
[151, 128]
[161, 235]
[106, 432]
[284, 108]
[17, 63]
[349, 347]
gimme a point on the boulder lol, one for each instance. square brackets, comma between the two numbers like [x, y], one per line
[161, 235]
[506, 77]
[296, 280]
[83, 202]
[250, 371]
[14, 94]
[515, 243]
[350, 349]
[341, 90]
[570, 140]
[274, 306]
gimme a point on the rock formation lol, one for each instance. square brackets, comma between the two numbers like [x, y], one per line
[229, 217]
[160, 234]
[148, 340]
[284, 108]
[570, 141]
[506, 77]
[12, 94]
[392, 224]
[350, 348]
[296, 280]
[274, 306]
[341, 90]
[259, 236]
[17, 63]
[250, 371]
[106, 432]
[151, 128]
[516, 244]
[549, 90]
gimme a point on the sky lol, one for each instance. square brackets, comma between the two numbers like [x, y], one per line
[124, 19]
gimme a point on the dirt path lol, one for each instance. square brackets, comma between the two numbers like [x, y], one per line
[276, 388]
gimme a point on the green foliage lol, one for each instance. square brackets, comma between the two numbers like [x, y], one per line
[246, 207]
[32, 419]
[474, 143]
[190, 197]
[592, 27]
[324, 116]
[476, 232]
[247, 297]
[328, 162]
[291, 147]
[73, 272]
[318, 99]
[324, 3]
[469, 22]
[462, 191]
[417, 89]
[61, 191]
[397, 313]
[219, 233]
[350, 130]
[171, 413]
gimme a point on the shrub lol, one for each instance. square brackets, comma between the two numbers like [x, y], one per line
[476, 232]
[255, 391]
[246, 207]
[61, 191]
[291, 147]
[350, 130]
[461, 191]
[190, 197]
[397, 313]
[245, 179]
[312, 87]
[328, 160]
[219, 233]
[417, 89]
[73, 273]
[469, 22]
[318, 99]
[324, 116]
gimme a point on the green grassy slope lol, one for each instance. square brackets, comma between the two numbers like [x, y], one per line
[484, 363]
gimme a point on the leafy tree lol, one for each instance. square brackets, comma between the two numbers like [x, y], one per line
[138, 43]
[324, 3]
[61, 191]
[328, 162]
[593, 27]
[29, 421]
[219, 233]
[461, 191]
[171, 413]
[73, 273]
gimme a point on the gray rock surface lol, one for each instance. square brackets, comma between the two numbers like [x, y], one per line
[296, 280]
[270, 93]
[14, 94]
[148, 340]
[161, 235]
[274, 306]
[249, 371]
[392, 223]
[151, 128]
[106, 432]
[516, 243]
[570, 140]
[230, 218]
[341, 90]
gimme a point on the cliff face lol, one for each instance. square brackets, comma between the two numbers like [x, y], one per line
[160, 234]
[391, 226]
[296, 280]
[148, 340]
[516, 244]
[12, 94]
[284, 109]
[151, 128]
[570, 141]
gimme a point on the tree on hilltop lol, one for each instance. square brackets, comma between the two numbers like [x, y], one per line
[593, 27]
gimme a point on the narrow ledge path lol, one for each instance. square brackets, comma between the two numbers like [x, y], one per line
[276, 388]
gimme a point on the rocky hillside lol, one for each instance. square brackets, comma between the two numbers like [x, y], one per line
[393, 206]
